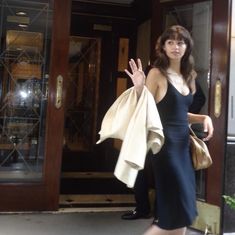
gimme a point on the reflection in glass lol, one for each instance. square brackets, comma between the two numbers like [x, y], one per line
[82, 96]
[23, 71]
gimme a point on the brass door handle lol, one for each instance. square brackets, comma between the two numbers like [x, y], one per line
[218, 98]
[59, 91]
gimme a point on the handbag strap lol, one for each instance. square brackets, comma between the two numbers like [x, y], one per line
[192, 132]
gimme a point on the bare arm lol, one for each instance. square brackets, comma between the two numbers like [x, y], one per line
[205, 120]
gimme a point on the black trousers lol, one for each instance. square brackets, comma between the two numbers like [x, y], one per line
[143, 182]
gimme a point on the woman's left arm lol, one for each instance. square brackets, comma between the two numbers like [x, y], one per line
[205, 120]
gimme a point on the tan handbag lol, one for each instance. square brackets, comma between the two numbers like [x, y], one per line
[200, 154]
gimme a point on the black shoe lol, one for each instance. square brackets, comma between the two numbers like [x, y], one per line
[132, 215]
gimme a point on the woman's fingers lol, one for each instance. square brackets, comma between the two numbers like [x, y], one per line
[139, 65]
[210, 133]
[128, 73]
[136, 72]
[208, 137]
[134, 66]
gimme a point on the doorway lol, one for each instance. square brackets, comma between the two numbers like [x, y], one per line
[87, 174]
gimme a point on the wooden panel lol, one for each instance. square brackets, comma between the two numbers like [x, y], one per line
[123, 54]
[121, 87]
[143, 43]
[156, 29]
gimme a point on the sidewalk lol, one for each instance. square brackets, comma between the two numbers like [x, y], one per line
[72, 223]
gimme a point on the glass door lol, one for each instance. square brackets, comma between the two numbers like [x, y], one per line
[197, 18]
[82, 100]
[27, 83]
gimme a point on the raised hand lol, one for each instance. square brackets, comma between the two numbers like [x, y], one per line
[137, 75]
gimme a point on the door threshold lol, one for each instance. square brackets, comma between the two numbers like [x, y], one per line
[95, 209]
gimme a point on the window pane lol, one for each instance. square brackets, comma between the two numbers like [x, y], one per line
[25, 36]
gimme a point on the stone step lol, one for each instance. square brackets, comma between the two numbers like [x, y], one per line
[96, 200]
[92, 183]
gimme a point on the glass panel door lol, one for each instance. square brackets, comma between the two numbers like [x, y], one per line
[82, 98]
[25, 28]
[33, 74]
[197, 19]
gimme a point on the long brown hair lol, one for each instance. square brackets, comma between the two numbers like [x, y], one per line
[176, 32]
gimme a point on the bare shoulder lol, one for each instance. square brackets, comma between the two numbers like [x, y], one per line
[154, 76]
[154, 72]
[156, 82]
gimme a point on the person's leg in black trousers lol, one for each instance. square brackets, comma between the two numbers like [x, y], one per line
[141, 194]
[141, 191]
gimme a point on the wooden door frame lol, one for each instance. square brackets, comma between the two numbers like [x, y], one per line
[220, 60]
[45, 194]
[55, 117]
[220, 45]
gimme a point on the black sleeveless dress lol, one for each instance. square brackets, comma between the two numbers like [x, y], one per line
[175, 205]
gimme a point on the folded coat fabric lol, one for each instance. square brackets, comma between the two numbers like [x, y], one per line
[137, 123]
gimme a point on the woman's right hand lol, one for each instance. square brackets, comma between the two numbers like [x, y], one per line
[137, 75]
[208, 127]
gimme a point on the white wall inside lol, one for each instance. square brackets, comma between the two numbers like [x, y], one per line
[231, 110]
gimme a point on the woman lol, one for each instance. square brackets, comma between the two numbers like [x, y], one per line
[172, 84]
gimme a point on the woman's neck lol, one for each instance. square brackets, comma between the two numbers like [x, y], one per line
[175, 66]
